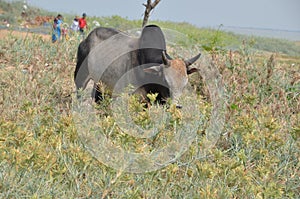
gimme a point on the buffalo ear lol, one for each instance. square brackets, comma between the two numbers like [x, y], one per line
[153, 69]
[192, 70]
[192, 60]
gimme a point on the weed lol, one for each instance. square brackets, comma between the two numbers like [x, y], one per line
[41, 154]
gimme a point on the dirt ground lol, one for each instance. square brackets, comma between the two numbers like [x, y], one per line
[5, 33]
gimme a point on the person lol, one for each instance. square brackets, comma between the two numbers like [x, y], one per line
[75, 24]
[57, 28]
[82, 23]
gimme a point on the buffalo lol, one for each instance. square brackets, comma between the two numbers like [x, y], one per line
[118, 60]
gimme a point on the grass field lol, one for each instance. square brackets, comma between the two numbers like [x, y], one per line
[256, 156]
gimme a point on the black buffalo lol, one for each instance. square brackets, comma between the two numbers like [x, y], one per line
[118, 60]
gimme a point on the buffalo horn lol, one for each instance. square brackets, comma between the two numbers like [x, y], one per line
[192, 60]
[165, 59]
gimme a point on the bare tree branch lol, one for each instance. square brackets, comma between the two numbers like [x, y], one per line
[149, 7]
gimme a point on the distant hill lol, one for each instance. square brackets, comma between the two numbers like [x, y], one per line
[264, 32]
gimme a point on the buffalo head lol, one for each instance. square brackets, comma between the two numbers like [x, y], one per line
[175, 72]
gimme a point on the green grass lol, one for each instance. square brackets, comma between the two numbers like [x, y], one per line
[257, 155]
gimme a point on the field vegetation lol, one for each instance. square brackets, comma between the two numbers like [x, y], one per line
[256, 156]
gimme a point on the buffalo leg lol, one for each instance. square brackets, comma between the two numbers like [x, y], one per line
[97, 94]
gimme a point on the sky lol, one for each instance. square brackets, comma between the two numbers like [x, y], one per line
[269, 14]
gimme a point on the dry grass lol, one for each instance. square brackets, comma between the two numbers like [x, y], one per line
[6, 33]
[41, 155]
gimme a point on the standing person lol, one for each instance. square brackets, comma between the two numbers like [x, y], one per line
[82, 23]
[57, 28]
[75, 24]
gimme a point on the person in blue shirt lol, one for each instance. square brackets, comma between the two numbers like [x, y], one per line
[57, 28]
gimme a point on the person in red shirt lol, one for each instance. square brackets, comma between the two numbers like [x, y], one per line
[82, 23]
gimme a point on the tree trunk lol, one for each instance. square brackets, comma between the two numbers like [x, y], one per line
[149, 7]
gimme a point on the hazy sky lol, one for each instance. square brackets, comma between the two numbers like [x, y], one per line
[275, 14]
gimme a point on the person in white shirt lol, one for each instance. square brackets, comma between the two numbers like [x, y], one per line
[75, 24]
